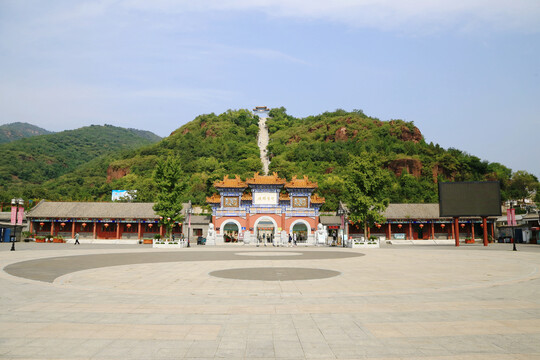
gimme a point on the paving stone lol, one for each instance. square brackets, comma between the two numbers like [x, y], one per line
[407, 303]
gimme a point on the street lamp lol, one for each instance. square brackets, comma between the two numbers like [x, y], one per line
[15, 220]
[189, 211]
[342, 212]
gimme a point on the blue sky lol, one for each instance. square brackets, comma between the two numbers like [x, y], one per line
[467, 72]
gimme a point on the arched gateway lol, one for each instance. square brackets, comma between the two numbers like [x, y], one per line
[263, 207]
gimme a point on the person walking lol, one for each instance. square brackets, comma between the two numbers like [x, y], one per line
[294, 239]
[290, 240]
[77, 239]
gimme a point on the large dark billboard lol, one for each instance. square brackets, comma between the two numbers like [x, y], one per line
[481, 198]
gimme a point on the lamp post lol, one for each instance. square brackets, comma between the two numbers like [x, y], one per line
[513, 219]
[341, 212]
[15, 219]
[189, 211]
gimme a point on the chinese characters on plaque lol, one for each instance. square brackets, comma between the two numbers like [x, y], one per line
[300, 201]
[230, 201]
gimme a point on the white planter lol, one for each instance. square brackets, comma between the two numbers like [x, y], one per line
[361, 244]
[169, 245]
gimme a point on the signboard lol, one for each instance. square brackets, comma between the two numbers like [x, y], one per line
[481, 198]
[300, 201]
[230, 201]
[265, 198]
[123, 195]
[399, 236]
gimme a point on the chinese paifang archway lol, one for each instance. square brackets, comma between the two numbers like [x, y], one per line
[264, 207]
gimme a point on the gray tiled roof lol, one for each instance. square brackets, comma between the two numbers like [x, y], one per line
[330, 220]
[49, 209]
[413, 211]
[199, 219]
[6, 216]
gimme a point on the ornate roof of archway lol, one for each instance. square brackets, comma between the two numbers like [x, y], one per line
[316, 199]
[303, 183]
[273, 179]
[284, 197]
[230, 183]
[214, 199]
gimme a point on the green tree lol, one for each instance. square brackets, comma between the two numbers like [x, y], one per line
[170, 184]
[366, 183]
[523, 185]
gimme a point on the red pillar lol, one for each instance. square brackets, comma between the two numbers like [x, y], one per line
[432, 230]
[161, 230]
[493, 230]
[95, 229]
[484, 222]
[72, 228]
[389, 231]
[472, 230]
[118, 230]
[52, 227]
[31, 227]
[409, 235]
[139, 230]
[456, 230]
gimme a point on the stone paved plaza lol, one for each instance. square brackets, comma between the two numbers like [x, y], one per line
[60, 301]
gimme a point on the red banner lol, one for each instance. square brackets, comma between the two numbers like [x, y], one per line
[13, 214]
[21, 215]
[511, 217]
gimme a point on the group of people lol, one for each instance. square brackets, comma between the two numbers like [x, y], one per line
[269, 238]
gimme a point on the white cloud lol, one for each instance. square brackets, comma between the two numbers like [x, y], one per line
[401, 15]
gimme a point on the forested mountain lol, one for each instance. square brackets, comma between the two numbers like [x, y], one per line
[319, 146]
[209, 147]
[212, 146]
[19, 130]
[27, 163]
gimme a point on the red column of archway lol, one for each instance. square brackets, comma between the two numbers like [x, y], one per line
[484, 223]
[456, 230]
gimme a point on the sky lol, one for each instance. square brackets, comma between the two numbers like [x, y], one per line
[466, 72]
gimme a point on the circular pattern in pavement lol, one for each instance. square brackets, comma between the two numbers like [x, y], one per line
[268, 253]
[48, 269]
[275, 273]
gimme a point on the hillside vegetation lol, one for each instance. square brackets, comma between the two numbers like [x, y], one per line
[28, 163]
[212, 146]
[319, 147]
[19, 130]
[209, 147]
